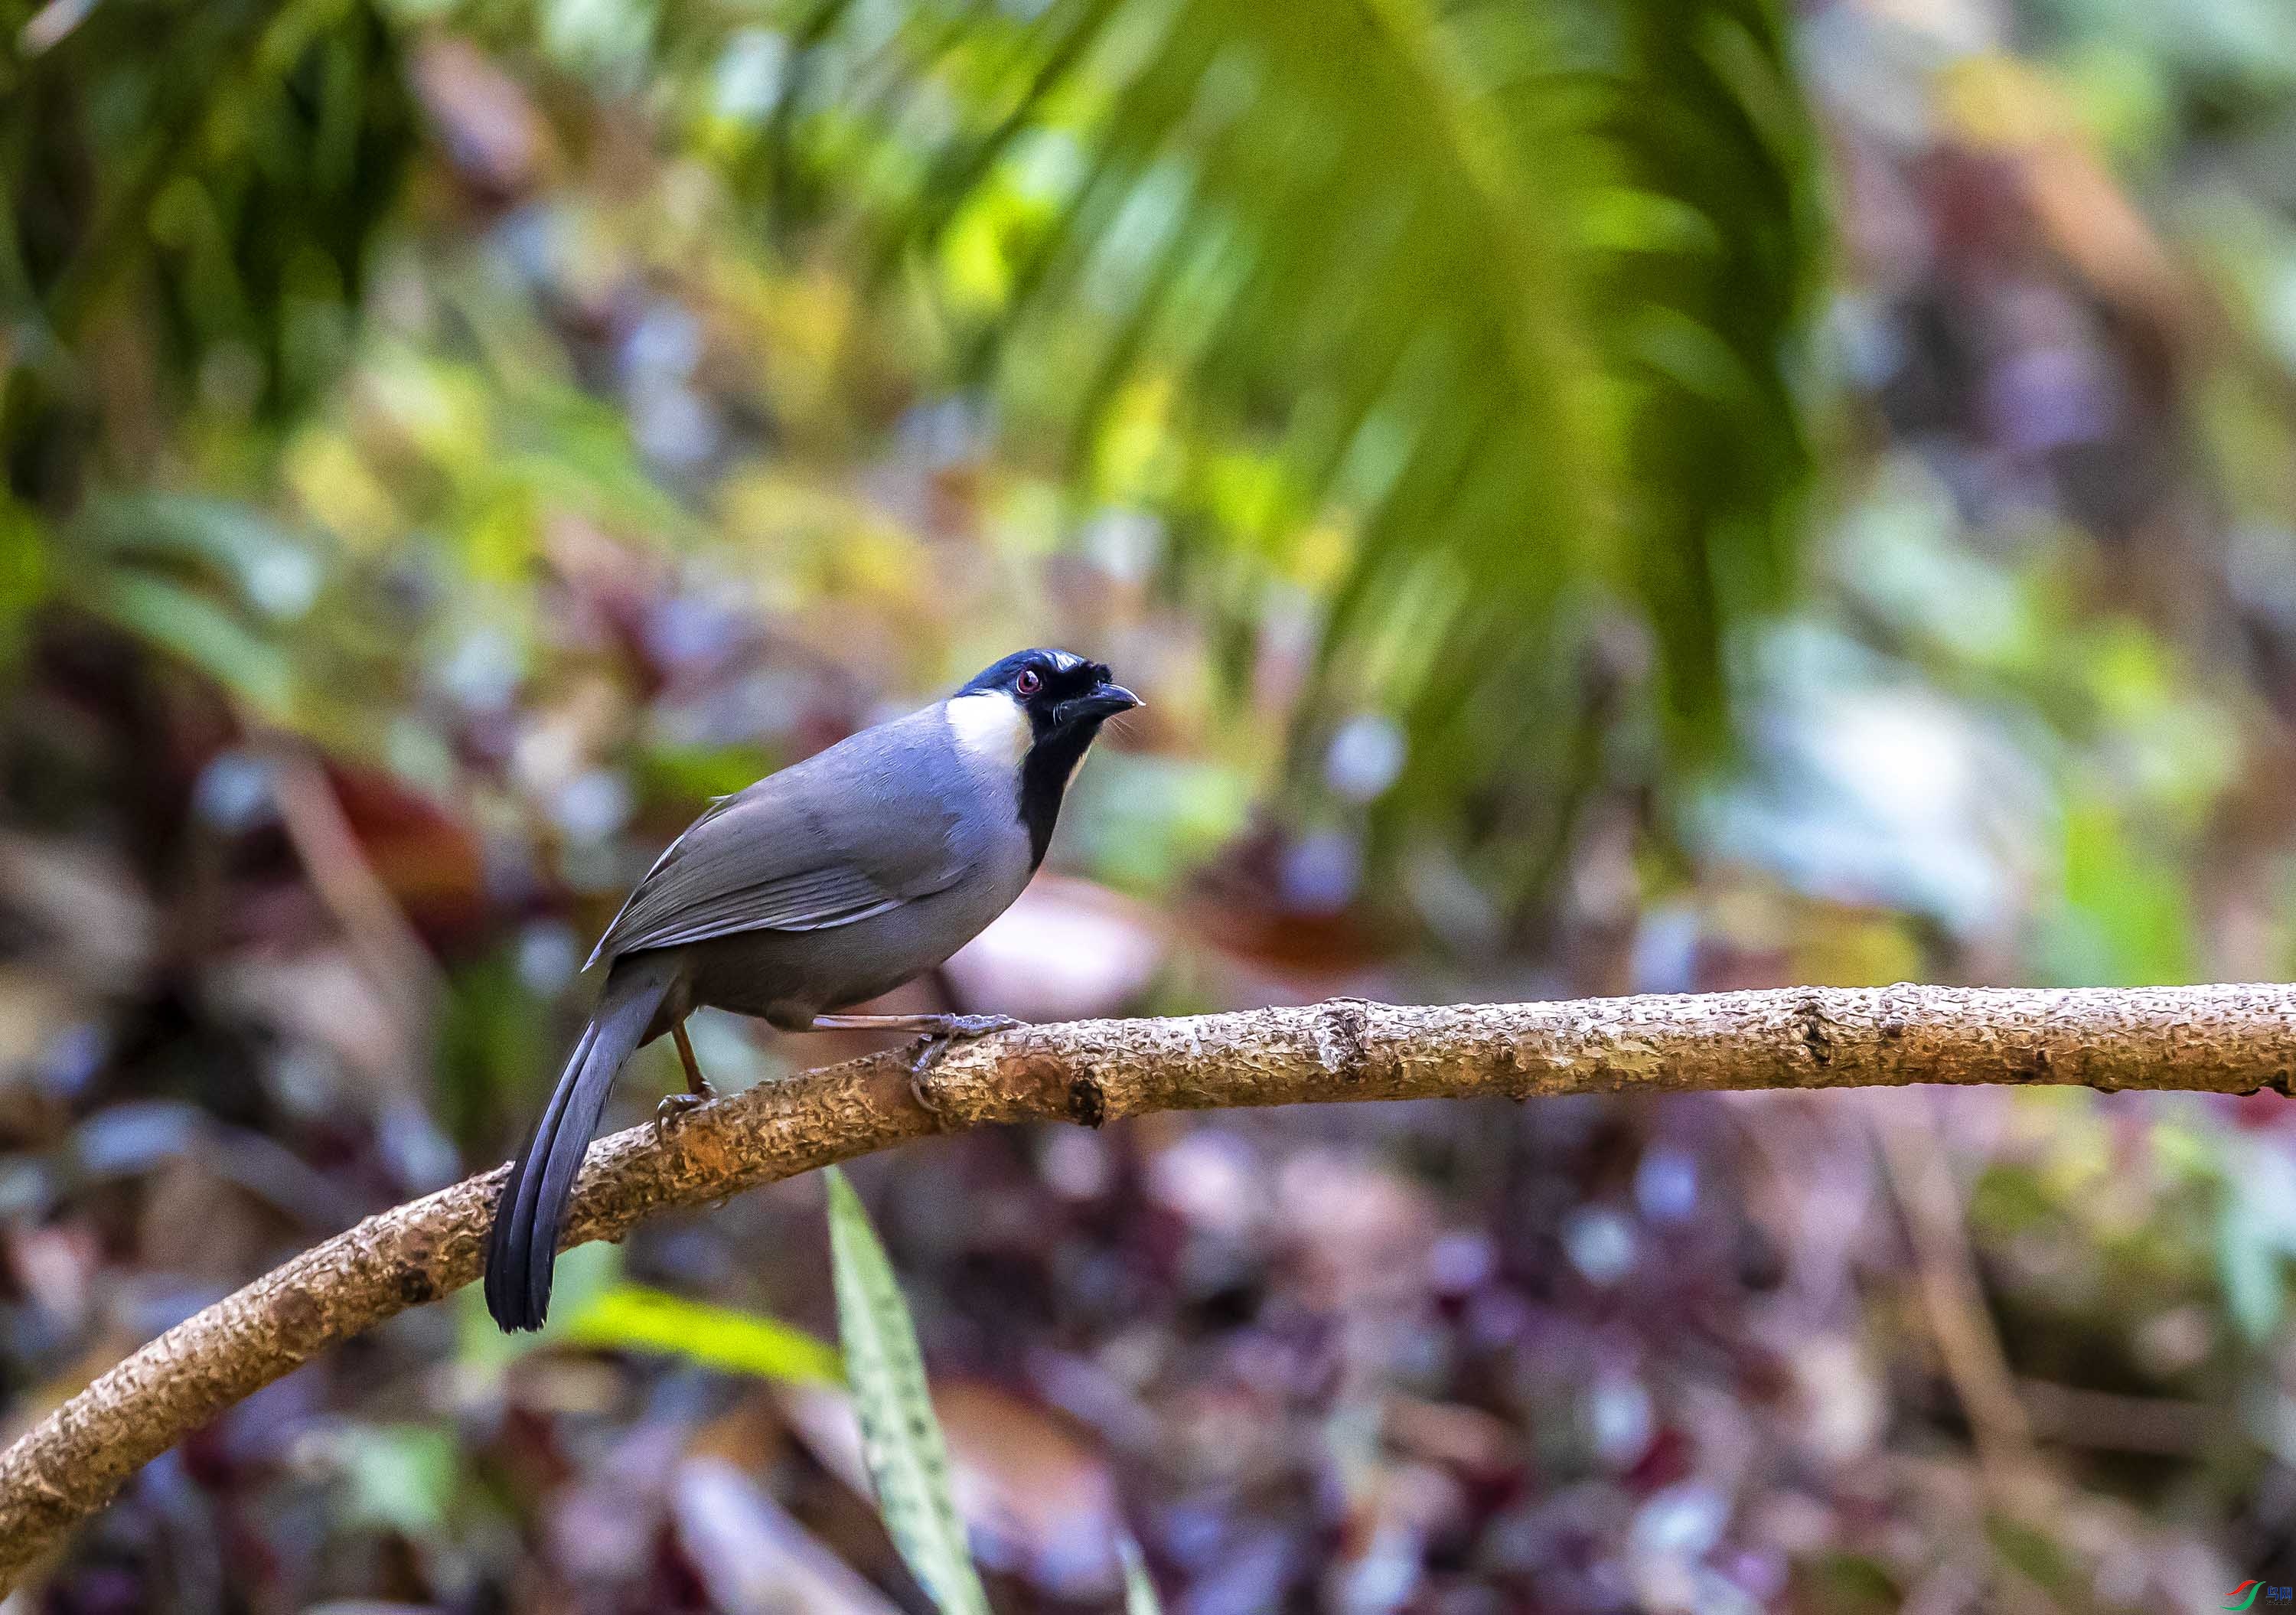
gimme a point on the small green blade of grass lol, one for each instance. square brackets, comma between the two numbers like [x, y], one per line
[632, 1319]
[1139, 1592]
[901, 1440]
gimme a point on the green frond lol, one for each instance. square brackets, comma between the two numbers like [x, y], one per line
[1507, 293]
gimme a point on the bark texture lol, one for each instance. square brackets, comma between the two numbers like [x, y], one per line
[2215, 1039]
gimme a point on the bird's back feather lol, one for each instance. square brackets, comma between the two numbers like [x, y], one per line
[878, 820]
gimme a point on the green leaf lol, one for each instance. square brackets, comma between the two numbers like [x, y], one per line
[901, 1439]
[25, 570]
[1139, 1592]
[632, 1317]
[271, 569]
[203, 633]
[399, 1477]
[2256, 1235]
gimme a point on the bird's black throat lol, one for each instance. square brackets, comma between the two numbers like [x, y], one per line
[1045, 775]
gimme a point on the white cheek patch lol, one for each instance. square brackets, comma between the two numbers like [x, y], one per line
[990, 726]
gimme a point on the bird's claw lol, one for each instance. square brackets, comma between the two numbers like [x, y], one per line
[950, 1029]
[674, 1108]
[929, 1053]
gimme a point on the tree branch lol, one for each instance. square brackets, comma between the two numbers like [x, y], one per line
[2216, 1039]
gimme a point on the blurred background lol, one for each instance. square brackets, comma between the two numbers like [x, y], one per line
[1600, 496]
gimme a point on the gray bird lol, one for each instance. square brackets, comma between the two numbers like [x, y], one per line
[825, 885]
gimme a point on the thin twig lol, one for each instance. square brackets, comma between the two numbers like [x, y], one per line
[1952, 1297]
[382, 940]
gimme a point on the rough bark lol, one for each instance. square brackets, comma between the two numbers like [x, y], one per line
[2216, 1039]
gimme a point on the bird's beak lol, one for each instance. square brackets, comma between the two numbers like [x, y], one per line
[1105, 702]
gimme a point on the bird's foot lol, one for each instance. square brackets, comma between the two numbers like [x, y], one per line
[674, 1108]
[960, 1027]
[947, 1030]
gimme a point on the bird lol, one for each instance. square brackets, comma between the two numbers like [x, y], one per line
[821, 886]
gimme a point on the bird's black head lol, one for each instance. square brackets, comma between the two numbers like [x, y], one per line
[1037, 711]
[1057, 690]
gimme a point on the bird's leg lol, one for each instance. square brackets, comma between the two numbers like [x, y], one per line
[698, 1091]
[937, 1026]
[696, 1084]
[940, 1031]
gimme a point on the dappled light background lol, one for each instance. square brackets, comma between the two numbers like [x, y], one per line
[1600, 496]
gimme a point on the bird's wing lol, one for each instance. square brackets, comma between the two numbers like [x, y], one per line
[848, 833]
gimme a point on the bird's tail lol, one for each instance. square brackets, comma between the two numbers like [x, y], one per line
[522, 1246]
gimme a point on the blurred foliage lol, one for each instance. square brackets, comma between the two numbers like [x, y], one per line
[1462, 317]
[224, 170]
[1457, 330]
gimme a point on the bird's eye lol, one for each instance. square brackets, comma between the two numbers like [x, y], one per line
[1028, 682]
